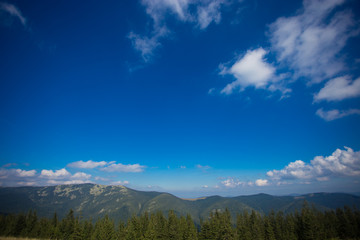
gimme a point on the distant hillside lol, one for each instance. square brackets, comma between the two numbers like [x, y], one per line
[94, 201]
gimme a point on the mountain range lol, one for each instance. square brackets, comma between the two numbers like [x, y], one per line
[93, 201]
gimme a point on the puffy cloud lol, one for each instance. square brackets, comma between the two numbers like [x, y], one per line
[234, 182]
[81, 175]
[335, 113]
[200, 12]
[341, 163]
[311, 41]
[87, 164]
[17, 177]
[11, 173]
[62, 176]
[261, 182]
[250, 70]
[338, 89]
[13, 11]
[20, 177]
[61, 173]
[119, 167]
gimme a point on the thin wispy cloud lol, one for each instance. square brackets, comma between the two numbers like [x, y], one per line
[338, 89]
[308, 45]
[330, 115]
[119, 167]
[13, 11]
[88, 164]
[203, 167]
[201, 13]
[312, 41]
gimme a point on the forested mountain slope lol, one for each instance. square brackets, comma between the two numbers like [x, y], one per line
[95, 201]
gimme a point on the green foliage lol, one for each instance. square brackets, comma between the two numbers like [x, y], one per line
[95, 201]
[309, 223]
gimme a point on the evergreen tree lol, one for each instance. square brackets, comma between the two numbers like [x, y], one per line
[173, 227]
[78, 233]
[306, 223]
[121, 231]
[269, 231]
[189, 230]
[104, 229]
[67, 224]
[243, 226]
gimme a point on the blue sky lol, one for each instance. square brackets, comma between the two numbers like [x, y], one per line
[192, 97]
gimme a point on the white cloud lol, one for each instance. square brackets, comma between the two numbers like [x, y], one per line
[199, 12]
[17, 177]
[124, 168]
[341, 163]
[61, 173]
[203, 167]
[261, 182]
[208, 13]
[88, 164]
[13, 11]
[66, 182]
[62, 176]
[234, 182]
[97, 178]
[335, 113]
[20, 177]
[120, 183]
[252, 69]
[338, 89]
[81, 175]
[205, 186]
[11, 173]
[311, 41]
[146, 45]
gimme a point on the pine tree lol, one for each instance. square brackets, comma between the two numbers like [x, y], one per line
[121, 231]
[104, 229]
[243, 226]
[173, 230]
[307, 226]
[189, 232]
[269, 231]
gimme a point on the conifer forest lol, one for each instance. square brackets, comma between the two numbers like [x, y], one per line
[306, 224]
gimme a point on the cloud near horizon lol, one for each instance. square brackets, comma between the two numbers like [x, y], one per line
[340, 164]
[88, 164]
[119, 167]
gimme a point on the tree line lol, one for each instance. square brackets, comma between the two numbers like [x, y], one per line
[306, 224]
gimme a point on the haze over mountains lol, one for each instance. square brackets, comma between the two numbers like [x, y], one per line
[119, 202]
